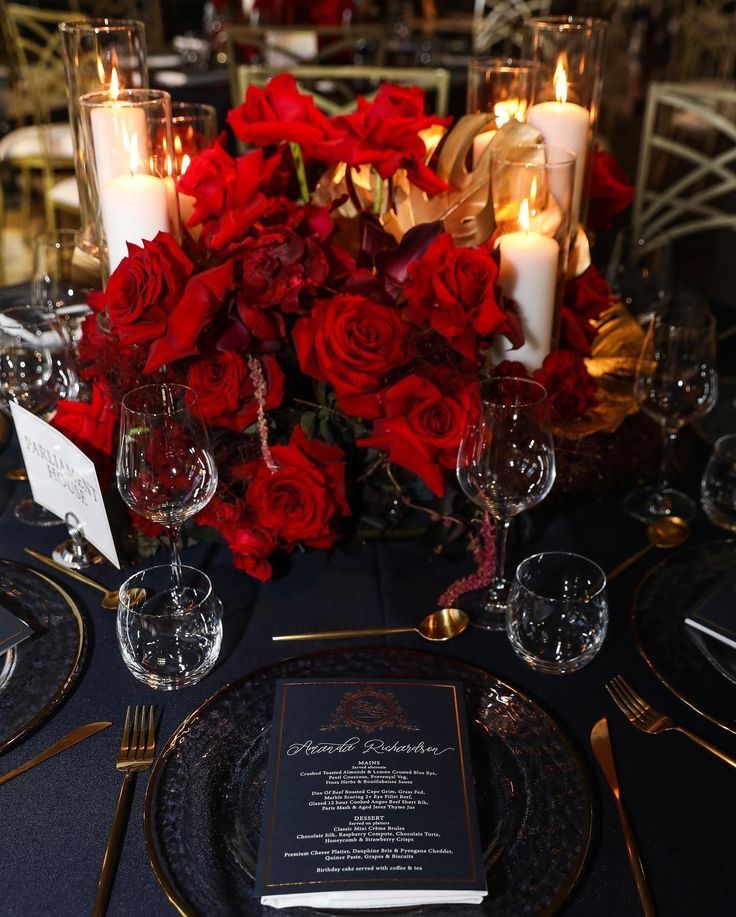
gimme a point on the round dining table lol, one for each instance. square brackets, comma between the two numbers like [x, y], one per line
[55, 818]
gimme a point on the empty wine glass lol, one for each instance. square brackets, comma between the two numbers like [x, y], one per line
[676, 382]
[165, 469]
[506, 464]
[37, 370]
[718, 487]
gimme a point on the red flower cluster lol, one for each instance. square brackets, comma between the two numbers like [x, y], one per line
[610, 191]
[283, 333]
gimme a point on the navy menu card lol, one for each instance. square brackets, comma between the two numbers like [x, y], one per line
[369, 798]
[716, 614]
[12, 630]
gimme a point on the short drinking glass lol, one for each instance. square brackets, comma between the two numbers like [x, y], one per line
[557, 614]
[169, 633]
[718, 487]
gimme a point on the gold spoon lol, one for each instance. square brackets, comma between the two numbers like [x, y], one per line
[110, 596]
[667, 532]
[440, 625]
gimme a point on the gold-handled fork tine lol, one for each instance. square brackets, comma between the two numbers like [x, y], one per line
[642, 715]
[137, 750]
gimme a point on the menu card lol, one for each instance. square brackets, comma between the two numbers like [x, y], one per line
[12, 630]
[716, 613]
[369, 798]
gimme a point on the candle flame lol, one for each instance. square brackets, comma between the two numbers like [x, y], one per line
[508, 109]
[560, 78]
[185, 163]
[524, 215]
[101, 71]
[533, 196]
[114, 84]
[177, 145]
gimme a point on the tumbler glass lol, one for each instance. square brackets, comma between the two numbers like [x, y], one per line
[169, 632]
[557, 613]
[718, 487]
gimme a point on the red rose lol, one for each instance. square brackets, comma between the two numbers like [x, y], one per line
[228, 193]
[610, 191]
[251, 546]
[276, 267]
[225, 389]
[571, 390]
[452, 290]
[304, 499]
[586, 297]
[90, 424]
[421, 428]
[200, 302]
[279, 112]
[353, 343]
[511, 368]
[384, 133]
[145, 287]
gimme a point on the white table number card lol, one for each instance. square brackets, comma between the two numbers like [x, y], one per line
[63, 479]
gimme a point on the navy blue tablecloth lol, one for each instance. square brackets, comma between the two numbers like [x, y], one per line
[54, 820]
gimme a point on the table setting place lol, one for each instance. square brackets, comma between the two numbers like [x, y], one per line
[268, 636]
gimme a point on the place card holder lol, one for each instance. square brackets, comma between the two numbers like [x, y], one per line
[76, 553]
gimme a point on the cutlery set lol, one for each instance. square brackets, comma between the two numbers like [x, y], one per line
[138, 743]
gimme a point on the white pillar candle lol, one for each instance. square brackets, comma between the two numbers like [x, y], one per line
[134, 207]
[565, 124]
[113, 126]
[528, 274]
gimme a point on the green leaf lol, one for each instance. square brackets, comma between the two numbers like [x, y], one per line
[308, 423]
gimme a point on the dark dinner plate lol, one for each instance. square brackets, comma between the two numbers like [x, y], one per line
[204, 800]
[40, 671]
[692, 669]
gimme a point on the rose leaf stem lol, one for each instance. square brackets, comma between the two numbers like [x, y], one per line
[296, 155]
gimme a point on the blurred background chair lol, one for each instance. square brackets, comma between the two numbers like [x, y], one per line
[695, 189]
[497, 24]
[335, 89]
[42, 149]
[146, 11]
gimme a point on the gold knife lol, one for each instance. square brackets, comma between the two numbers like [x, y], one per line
[601, 744]
[76, 735]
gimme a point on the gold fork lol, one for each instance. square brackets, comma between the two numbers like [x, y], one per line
[645, 717]
[136, 754]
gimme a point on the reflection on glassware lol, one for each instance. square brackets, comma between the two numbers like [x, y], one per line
[506, 464]
[718, 487]
[676, 382]
[62, 279]
[165, 469]
[37, 370]
[172, 637]
[558, 612]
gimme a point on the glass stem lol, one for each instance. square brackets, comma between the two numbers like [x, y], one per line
[668, 440]
[173, 532]
[502, 532]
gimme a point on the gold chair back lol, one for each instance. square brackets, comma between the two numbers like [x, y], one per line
[335, 89]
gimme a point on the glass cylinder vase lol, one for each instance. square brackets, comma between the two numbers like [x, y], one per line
[501, 87]
[96, 53]
[128, 142]
[566, 91]
[532, 186]
[194, 129]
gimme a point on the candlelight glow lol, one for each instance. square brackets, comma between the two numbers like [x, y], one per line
[177, 145]
[101, 71]
[533, 196]
[135, 159]
[185, 161]
[114, 84]
[504, 111]
[524, 215]
[560, 79]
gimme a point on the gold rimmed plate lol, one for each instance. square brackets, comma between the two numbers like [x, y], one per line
[691, 667]
[203, 804]
[38, 673]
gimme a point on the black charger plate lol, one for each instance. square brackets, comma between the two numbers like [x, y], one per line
[203, 805]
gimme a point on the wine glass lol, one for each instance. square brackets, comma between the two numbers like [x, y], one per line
[506, 464]
[37, 370]
[676, 382]
[165, 469]
[718, 487]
